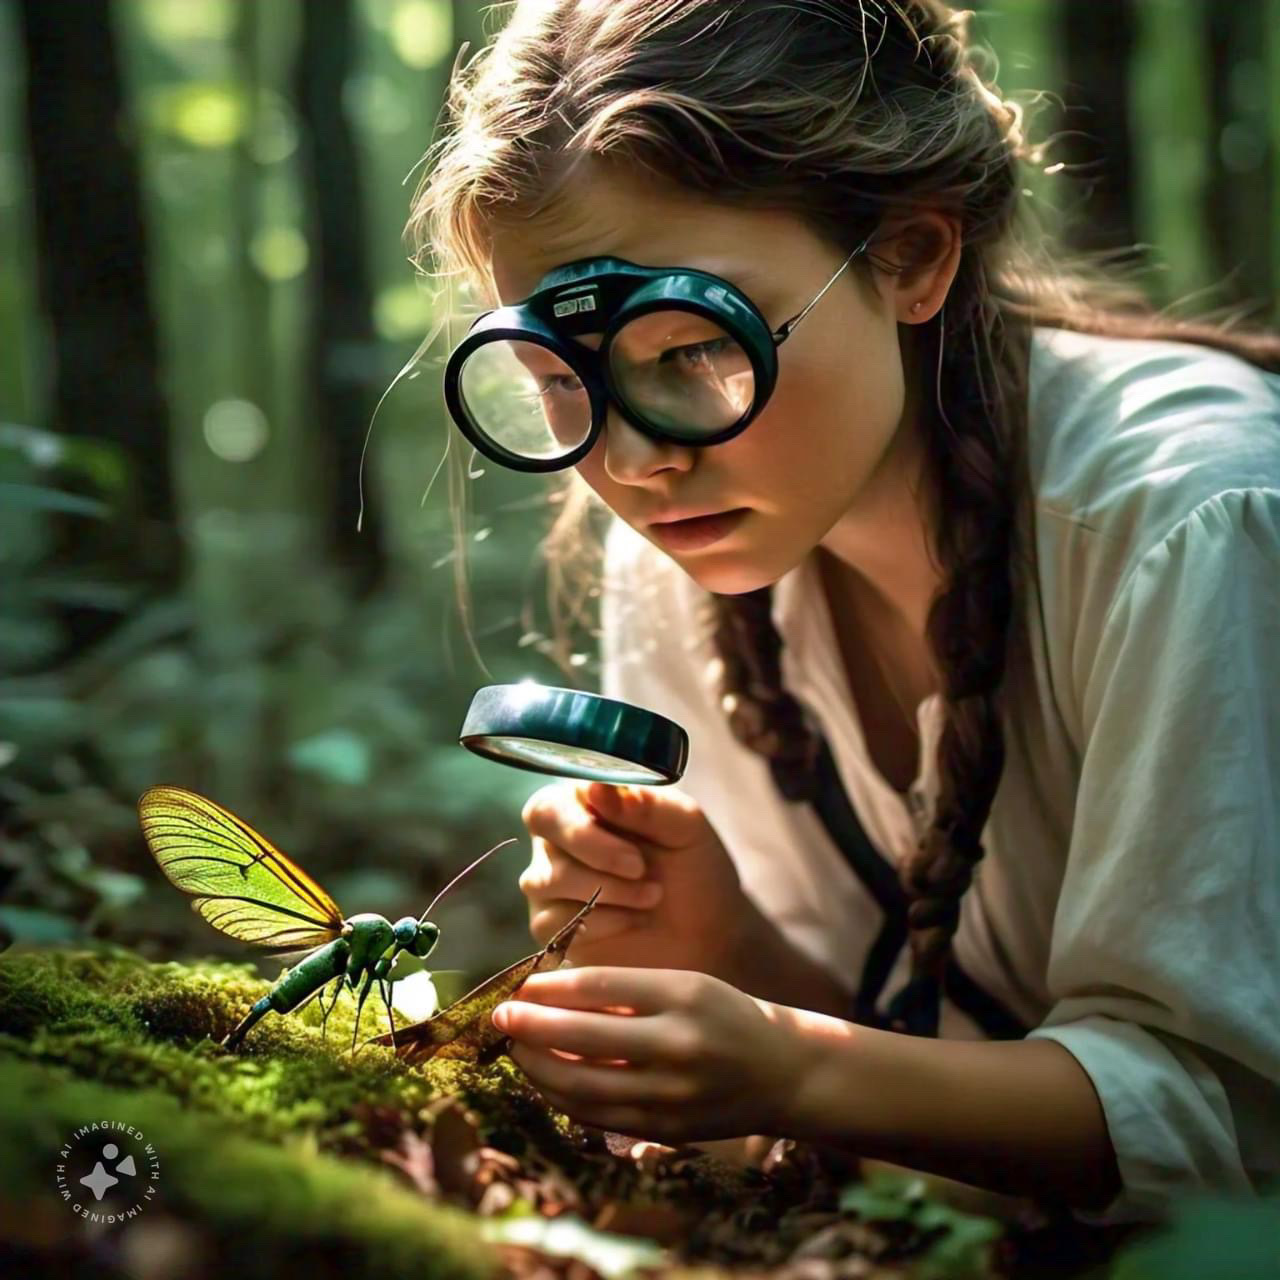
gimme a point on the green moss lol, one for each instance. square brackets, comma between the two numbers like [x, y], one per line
[259, 1208]
[113, 1017]
[250, 1140]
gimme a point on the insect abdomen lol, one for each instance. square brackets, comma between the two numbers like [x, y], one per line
[319, 967]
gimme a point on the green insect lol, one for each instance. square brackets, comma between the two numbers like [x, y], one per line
[245, 887]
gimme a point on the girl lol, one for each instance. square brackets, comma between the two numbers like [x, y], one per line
[961, 568]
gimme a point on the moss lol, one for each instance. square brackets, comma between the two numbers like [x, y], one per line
[112, 1017]
[276, 1149]
[257, 1207]
[250, 1141]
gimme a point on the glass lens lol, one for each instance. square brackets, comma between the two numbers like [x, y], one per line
[525, 399]
[567, 761]
[682, 372]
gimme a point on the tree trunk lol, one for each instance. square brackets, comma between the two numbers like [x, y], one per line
[1097, 49]
[92, 274]
[343, 355]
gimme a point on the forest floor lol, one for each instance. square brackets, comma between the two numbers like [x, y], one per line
[291, 1156]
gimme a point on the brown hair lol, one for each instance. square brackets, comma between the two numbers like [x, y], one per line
[840, 111]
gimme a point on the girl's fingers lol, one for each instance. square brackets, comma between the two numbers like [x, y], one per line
[546, 920]
[555, 875]
[607, 1036]
[554, 815]
[585, 1082]
[645, 991]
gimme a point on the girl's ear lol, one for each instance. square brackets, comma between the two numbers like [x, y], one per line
[925, 247]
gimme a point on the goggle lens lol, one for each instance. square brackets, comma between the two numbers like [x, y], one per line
[677, 371]
[682, 373]
[525, 399]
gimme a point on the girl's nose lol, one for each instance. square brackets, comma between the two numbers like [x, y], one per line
[630, 456]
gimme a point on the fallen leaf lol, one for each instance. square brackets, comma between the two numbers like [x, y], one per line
[465, 1029]
[416, 1161]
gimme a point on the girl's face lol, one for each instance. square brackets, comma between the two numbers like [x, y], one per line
[836, 433]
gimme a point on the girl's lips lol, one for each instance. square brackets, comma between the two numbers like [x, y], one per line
[690, 535]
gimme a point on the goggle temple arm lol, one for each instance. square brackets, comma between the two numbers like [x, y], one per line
[785, 330]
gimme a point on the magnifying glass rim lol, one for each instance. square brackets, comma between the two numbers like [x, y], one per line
[521, 711]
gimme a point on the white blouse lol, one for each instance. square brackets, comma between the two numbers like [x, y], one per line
[1128, 905]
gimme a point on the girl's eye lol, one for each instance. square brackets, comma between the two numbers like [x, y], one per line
[562, 382]
[697, 352]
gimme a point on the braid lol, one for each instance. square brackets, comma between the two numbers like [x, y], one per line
[975, 473]
[973, 464]
[762, 714]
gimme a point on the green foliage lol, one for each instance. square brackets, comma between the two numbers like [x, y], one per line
[261, 676]
[1210, 1236]
[340, 745]
[38, 470]
[959, 1244]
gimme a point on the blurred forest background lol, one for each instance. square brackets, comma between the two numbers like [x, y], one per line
[204, 293]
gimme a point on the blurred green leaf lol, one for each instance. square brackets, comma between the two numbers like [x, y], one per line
[30, 924]
[878, 1203]
[98, 461]
[30, 497]
[208, 114]
[1219, 1238]
[962, 1249]
[27, 641]
[338, 755]
[41, 722]
[421, 31]
[84, 592]
[113, 889]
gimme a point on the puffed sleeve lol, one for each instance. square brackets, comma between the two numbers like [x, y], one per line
[1164, 961]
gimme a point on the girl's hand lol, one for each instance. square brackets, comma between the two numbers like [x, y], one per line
[668, 1055]
[670, 894]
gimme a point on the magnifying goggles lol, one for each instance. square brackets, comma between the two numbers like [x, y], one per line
[685, 357]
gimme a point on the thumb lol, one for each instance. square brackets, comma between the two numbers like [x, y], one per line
[659, 815]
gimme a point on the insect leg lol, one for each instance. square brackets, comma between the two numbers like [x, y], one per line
[324, 1021]
[240, 1030]
[364, 992]
[384, 986]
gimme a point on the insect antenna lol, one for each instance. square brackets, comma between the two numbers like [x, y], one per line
[465, 871]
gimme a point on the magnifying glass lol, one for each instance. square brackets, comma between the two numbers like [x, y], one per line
[573, 734]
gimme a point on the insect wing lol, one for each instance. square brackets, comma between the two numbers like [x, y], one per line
[243, 885]
[464, 1029]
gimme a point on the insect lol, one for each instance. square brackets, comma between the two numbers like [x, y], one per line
[245, 887]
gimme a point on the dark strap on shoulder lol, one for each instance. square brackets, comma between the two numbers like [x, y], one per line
[915, 1007]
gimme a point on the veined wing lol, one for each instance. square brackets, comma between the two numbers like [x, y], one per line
[243, 884]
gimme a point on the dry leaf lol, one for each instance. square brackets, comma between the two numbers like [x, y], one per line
[465, 1029]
